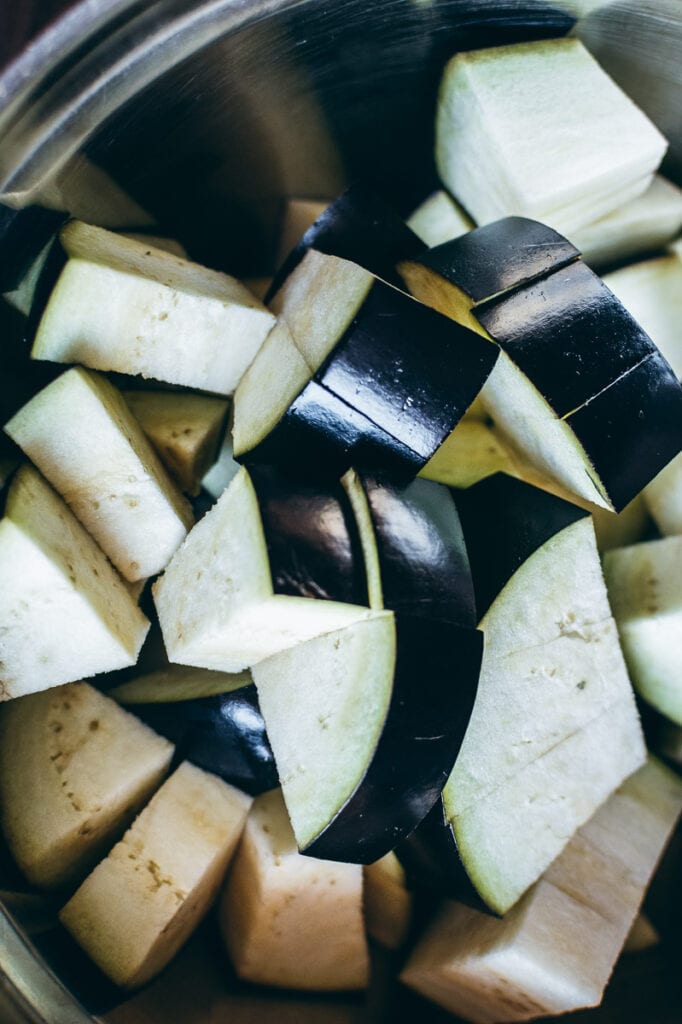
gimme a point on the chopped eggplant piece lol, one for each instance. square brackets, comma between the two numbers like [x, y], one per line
[287, 920]
[84, 439]
[555, 951]
[216, 603]
[170, 245]
[24, 234]
[140, 904]
[438, 219]
[646, 597]
[184, 429]
[643, 225]
[121, 305]
[358, 226]
[379, 737]
[554, 729]
[66, 612]
[213, 718]
[663, 498]
[597, 149]
[74, 769]
[472, 452]
[351, 358]
[388, 902]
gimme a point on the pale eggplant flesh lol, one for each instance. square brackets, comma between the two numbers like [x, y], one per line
[423, 731]
[312, 539]
[358, 226]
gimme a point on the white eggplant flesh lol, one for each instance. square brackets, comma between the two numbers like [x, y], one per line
[652, 292]
[82, 436]
[292, 921]
[66, 612]
[223, 470]
[137, 908]
[646, 596]
[438, 219]
[598, 149]
[121, 305]
[215, 601]
[74, 770]
[184, 429]
[472, 452]
[555, 951]
[388, 902]
[663, 498]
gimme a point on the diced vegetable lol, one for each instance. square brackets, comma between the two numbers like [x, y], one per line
[388, 903]
[652, 292]
[438, 219]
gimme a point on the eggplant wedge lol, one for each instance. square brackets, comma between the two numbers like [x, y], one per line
[213, 718]
[663, 498]
[379, 737]
[439, 219]
[367, 374]
[524, 966]
[578, 381]
[358, 226]
[554, 729]
[652, 292]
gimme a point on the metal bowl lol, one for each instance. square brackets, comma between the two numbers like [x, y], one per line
[206, 115]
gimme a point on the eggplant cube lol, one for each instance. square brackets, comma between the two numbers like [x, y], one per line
[598, 149]
[74, 768]
[663, 498]
[84, 439]
[65, 611]
[438, 219]
[290, 921]
[652, 292]
[555, 951]
[121, 305]
[140, 904]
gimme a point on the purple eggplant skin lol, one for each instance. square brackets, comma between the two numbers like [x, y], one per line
[23, 235]
[499, 257]
[358, 226]
[407, 368]
[312, 538]
[320, 437]
[505, 521]
[633, 429]
[436, 678]
[569, 334]
[49, 275]
[423, 559]
[224, 734]
[432, 863]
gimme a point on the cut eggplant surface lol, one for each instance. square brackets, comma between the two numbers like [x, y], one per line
[439, 219]
[213, 718]
[23, 234]
[85, 440]
[184, 429]
[74, 769]
[388, 902]
[663, 498]
[555, 951]
[312, 539]
[598, 150]
[358, 364]
[287, 920]
[378, 736]
[140, 904]
[121, 305]
[652, 292]
[358, 226]
[222, 471]
[423, 559]
[646, 597]
[65, 611]
[472, 452]
[216, 603]
[554, 728]
[641, 226]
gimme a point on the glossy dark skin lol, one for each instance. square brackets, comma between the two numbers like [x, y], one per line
[633, 429]
[358, 226]
[498, 257]
[224, 734]
[422, 556]
[23, 234]
[569, 334]
[505, 521]
[312, 539]
[424, 729]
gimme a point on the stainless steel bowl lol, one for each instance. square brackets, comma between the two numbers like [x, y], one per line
[207, 114]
